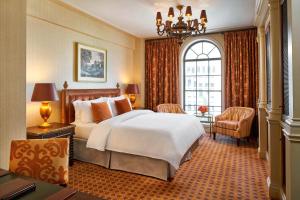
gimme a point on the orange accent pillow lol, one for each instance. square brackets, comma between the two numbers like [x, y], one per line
[101, 112]
[122, 106]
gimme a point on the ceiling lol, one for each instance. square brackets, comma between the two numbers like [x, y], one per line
[137, 17]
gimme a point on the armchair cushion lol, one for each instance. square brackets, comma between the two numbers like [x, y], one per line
[228, 124]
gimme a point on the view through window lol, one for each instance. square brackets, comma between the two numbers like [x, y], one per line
[202, 78]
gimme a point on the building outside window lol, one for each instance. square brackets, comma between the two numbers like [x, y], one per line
[202, 77]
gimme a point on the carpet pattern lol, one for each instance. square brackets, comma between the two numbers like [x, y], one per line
[218, 170]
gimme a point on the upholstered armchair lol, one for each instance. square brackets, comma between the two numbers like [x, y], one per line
[170, 108]
[43, 159]
[235, 122]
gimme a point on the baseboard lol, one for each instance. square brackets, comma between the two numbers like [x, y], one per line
[274, 190]
[262, 154]
[283, 197]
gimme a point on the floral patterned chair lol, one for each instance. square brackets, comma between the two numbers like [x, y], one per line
[43, 159]
[170, 108]
[235, 122]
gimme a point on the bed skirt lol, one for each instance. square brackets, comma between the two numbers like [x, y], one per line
[82, 153]
[127, 162]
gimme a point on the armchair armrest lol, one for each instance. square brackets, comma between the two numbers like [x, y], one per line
[244, 126]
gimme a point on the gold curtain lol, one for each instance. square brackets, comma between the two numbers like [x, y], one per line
[241, 68]
[161, 72]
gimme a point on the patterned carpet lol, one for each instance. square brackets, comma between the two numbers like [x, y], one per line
[218, 170]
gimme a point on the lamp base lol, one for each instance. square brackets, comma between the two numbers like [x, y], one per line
[45, 112]
[132, 99]
[45, 125]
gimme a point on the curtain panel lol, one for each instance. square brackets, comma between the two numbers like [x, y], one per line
[241, 68]
[161, 72]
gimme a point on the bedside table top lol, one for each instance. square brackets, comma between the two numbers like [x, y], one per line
[55, 127]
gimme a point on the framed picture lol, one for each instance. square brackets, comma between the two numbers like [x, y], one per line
[91, 64]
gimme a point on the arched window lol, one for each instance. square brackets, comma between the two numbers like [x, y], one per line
[202, 77]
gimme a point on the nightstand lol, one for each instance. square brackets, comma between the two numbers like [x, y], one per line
[57, 130]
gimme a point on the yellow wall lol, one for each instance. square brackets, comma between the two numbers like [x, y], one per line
[139, 70]
[53, 28]
[12, 75]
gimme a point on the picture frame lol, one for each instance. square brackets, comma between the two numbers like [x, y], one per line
[91, 64]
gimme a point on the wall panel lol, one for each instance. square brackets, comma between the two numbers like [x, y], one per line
[12, 75]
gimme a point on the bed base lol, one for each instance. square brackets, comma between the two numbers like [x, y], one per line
[127, 162]
[82, 153]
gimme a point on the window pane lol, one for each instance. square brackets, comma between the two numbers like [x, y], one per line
[190, 98]
[190, 68]
[215, 82]
[190, 82]
[202, 68]
[202, 82]
[202, 56]
[207, 47]
[215, 67]
[190, 55]
[215, 53]
[190, 109]
[202, 98]
[215, 98]
[197, 48]
[214, 110]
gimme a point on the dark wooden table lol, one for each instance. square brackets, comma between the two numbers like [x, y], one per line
[57, 130]
[44, 190]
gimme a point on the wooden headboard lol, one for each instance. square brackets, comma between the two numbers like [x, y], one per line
[70, 95]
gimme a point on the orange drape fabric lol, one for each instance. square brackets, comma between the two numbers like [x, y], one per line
[161, 72]
[241, 68]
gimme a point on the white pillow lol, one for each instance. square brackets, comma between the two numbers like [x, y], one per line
[76, 105]
[111, 101]
[83, 109]
[86, 115]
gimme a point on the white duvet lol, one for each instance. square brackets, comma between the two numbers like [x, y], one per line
[162, 136]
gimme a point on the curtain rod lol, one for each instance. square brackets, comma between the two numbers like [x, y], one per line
[210, 33]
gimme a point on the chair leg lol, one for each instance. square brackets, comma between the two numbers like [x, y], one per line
[214, 136]
[238, 142]
[248, 139]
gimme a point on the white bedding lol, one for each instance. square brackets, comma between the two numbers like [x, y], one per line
[83, 130]
[162, 136]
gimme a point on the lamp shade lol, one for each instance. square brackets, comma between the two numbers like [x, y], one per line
[132, 89]
[44, 92]
[171, 12]
[203, 15]
[188, 12]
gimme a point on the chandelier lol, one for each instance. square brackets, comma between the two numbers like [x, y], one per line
[181, 30]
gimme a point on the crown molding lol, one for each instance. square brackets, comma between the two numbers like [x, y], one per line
[261, 12]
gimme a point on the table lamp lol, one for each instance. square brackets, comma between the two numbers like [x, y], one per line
[132, 90]
[44, 92]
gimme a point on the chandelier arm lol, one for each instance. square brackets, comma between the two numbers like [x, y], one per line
[161, 29]
[183, 28]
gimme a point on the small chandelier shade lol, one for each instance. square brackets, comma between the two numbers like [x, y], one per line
[203, 16]
[171, 12]
[181, 29]
[44, 92]
[158, 18]
[188, 11]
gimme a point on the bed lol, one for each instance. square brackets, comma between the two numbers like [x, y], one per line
[110, 157]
